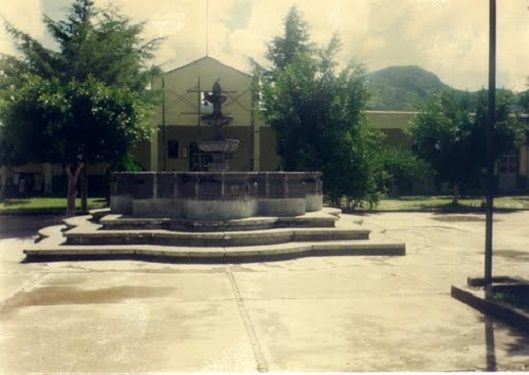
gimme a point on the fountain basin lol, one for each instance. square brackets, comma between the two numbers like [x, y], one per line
[221, 145]
[215, 195]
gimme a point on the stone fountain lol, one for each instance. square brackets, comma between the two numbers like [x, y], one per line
[217, 194]
[214, 216]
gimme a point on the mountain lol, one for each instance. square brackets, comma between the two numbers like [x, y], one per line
[399, 88]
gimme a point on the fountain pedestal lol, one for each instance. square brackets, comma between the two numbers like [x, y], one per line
[218, 150]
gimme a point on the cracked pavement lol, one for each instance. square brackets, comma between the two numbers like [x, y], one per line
[309, 314]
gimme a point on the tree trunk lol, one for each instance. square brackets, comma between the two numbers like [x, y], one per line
[3, 180]
[455, 198]
[84, 189]
[72, 171]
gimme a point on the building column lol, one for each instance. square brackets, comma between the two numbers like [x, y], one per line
[255, 127]
[154, 151]
[256, 147]
[47, 171]
[523, 165]
[522, 157]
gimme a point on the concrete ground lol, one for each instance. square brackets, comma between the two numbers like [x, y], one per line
[322, 314]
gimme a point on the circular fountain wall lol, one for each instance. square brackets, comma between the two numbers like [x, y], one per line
[215, 195]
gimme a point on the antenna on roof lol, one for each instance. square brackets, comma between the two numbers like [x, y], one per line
[207, 25]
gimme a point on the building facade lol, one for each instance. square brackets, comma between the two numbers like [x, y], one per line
[175, 144]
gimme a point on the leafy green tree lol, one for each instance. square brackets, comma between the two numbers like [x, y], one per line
[443, 134]
[97, 47]
[316, 111]
[74, 124]
[451, 137]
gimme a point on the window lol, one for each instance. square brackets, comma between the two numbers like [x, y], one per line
[172, 149]
[206, 108]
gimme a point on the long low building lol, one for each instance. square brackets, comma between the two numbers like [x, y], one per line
[174, 146]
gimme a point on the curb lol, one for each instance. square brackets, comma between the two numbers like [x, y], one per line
[510, 315]
[469, 210]
[228, 258]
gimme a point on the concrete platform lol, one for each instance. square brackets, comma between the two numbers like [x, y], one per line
[82, 237]
[47, 251]
[323, 218]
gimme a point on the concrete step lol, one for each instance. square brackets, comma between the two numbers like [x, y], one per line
[83, 238]
[52, 249]
[92, 235]
[98, 213]
[322, 219]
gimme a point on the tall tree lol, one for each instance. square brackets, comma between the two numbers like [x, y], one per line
[97, 47]
[316, 111]
[451, 136]
[296, 39]
[74, 124]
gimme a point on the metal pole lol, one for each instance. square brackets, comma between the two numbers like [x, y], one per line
[199, 115]
[164, 127]
[490, 159]
[252, 127]
[207, 26]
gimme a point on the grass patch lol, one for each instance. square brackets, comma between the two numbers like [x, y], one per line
[45, 205]
[518, 301]
[445, 203]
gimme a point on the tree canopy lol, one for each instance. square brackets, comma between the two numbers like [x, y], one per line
[93, 42]
[451, 136]
[316, 110]
[83, 103]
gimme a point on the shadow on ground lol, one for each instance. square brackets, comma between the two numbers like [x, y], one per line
[21, 226]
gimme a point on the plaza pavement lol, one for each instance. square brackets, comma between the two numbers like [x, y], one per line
[308, 314]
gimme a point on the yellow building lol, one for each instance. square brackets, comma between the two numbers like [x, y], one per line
[175, 145]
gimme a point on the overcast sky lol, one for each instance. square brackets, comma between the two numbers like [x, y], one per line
[447, 37]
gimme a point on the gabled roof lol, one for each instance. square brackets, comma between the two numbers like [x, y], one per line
[207, 58]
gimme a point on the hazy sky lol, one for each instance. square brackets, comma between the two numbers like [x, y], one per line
[447, 37]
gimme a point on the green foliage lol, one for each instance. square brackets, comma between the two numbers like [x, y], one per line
[87, 101]
[97, 48]
[317, 113]
[448, 135]
[523, 101]
[283, 49]
[98, 43]
[401, 169]
[46, 121]
[443, 133]
[43, 205]
[510, 129]
[83, 103]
